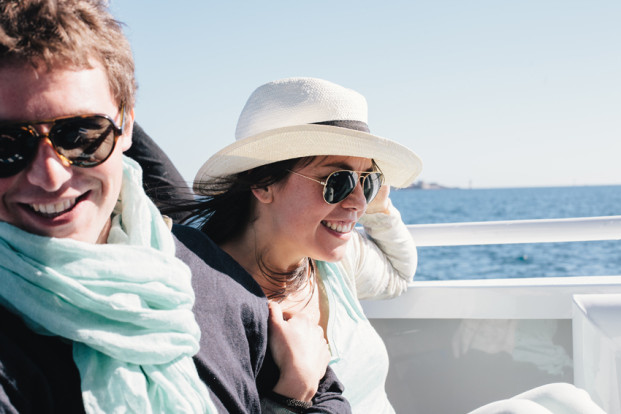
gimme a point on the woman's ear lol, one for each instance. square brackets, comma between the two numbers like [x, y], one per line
[264, 195]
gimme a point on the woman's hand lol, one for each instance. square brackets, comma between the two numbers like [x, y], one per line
[381, 203]
[300, 352]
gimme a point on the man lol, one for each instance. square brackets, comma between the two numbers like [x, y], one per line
[98, 315]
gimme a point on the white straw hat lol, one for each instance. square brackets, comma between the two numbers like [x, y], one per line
[300, 117]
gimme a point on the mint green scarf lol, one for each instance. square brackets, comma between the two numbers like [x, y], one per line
[127, 305]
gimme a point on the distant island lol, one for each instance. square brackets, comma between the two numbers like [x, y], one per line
[424, 185]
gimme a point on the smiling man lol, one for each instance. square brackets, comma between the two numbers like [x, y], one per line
[96, 310]
[42, 191]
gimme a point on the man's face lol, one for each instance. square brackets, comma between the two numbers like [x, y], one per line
[50, 197]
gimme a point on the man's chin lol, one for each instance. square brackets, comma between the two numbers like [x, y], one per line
[84, 232]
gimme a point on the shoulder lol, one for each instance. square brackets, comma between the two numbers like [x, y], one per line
[199, 252]
[191, 241]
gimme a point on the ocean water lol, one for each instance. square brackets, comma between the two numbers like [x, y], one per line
[516, 260]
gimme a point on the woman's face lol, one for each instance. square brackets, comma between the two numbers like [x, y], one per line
[298, 220]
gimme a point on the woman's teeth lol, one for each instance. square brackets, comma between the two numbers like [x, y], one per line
[338, 227]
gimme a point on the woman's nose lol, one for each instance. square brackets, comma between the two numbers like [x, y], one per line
[356, 200]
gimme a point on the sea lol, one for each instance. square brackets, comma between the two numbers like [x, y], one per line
[594, 258]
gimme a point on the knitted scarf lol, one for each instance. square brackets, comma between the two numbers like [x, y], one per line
[126, 305]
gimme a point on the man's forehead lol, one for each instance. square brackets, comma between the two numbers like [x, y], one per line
[33, 93]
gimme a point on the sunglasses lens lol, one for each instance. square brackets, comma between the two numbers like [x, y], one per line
[85, 141]
[339, 185]
[371, 185]
[17, 147]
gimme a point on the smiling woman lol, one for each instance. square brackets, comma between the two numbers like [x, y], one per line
[283, 201]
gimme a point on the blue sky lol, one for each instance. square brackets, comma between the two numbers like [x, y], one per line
[490, 93]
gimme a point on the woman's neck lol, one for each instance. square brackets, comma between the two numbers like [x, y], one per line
[305, 297]
[264, 259]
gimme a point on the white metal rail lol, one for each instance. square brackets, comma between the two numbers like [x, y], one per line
[517, 231]
[530, 298]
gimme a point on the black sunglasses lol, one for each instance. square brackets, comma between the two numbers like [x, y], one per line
[340, 184]
[84, 141]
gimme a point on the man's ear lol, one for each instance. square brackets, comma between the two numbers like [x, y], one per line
[264, 195]
[125, 140]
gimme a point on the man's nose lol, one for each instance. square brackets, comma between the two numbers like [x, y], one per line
[48, 170]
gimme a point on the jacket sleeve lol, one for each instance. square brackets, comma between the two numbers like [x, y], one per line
[381, 261]
[328, 399]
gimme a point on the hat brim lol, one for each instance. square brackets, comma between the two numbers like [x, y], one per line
[399, 164]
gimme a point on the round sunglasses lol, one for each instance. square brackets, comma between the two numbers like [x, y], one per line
[340, 184]
[84, 141]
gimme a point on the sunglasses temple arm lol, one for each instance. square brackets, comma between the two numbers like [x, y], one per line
[310, 178]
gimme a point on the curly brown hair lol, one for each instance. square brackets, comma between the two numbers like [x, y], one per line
[68, 33]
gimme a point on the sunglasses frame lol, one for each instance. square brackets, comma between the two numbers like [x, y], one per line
[30, 128]
[360, 175]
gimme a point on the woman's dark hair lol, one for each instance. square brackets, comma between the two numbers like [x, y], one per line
[224, 208]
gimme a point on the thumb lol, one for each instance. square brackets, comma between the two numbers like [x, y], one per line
[276, 317]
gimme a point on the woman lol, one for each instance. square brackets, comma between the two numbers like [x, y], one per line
[283, 200]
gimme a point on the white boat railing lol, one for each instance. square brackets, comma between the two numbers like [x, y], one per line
[517, 231]
[482, 340]
[537, 297]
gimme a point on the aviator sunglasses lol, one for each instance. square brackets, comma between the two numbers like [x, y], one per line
[84, 141]
[340, 184]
